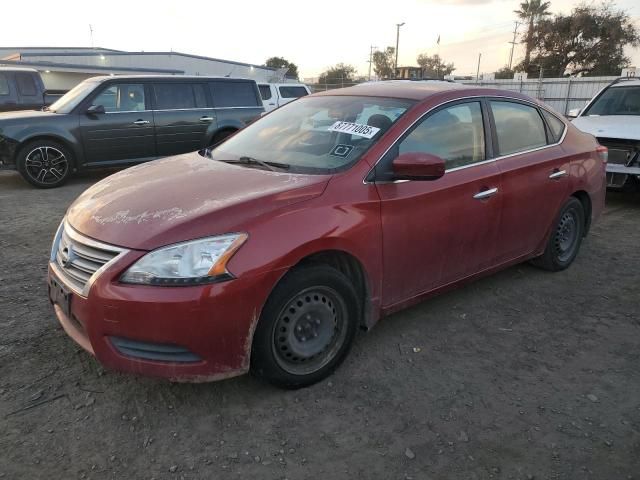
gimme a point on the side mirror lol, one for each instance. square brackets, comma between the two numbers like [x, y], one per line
[418, 166]
[574, 112]
[95, 110]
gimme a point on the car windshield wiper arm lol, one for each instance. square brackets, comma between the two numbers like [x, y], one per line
[273, 166]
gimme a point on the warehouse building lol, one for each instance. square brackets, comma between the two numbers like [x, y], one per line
[63, 68]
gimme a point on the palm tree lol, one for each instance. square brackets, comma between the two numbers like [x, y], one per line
[531, 11]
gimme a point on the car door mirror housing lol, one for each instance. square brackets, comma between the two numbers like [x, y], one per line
[418, 166]
[574, 112]
[96, 110]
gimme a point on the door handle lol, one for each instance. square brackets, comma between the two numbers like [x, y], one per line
[272, 104]
[141, 122]
[556, 174]
[206, 119]
[490, 192]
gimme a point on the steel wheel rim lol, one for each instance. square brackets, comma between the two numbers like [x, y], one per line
[309, 330]
[46, 165]
[566, 236]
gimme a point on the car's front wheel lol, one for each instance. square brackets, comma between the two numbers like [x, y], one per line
[306, 328]
[45, 163]
[566, 238]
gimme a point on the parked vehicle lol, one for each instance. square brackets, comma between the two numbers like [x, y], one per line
[23, 89]
[111, 121]
[267, 252]
[613, 117]
[275, 95]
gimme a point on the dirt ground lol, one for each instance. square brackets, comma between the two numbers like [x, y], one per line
[522, 375]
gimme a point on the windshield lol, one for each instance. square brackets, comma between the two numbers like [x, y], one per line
[617, 101]
[315, 134]
[73, 97]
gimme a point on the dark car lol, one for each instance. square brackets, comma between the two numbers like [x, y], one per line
[23, 89]
[110, 121]
[268, 252]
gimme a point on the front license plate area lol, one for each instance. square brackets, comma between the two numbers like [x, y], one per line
[60, 296]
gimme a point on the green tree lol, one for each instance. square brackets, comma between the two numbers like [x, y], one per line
[531, 12]
[505, 73]
[434, 66]
[383, 62]
[589, 41]
[339, 74]
[279, 62]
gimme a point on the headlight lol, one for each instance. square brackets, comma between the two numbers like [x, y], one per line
[188, 263]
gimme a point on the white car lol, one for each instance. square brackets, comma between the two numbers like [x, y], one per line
[613, 117]
[275, 95]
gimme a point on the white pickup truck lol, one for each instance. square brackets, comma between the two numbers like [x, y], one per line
[613, 117]
[275, 95]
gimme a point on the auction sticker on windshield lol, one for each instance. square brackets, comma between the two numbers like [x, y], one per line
[358, 129]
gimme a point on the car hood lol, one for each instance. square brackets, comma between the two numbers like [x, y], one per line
[25, 115]
[184, 197]
[610, 126]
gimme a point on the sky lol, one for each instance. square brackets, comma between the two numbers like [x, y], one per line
[313, 35]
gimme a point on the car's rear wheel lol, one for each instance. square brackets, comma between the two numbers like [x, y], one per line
[45, 163]
[566, 237]
[306, 328]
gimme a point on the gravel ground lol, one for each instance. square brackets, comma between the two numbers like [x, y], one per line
[522, 375]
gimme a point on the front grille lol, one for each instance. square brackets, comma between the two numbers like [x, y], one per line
[78, 258]
[621, 152]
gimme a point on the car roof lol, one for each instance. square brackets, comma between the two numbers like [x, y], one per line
[420, 90]
[626, 82]
[18, 69]
[177, 78]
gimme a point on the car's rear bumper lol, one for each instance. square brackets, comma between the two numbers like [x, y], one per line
[200, 333]
[616, 168]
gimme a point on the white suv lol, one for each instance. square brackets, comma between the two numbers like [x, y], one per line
[613, 117]
[275, 95]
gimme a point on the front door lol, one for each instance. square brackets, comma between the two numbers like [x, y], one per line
[269, 96]
[125, 132]
[535, 175]
[182, 117]
[437, 232]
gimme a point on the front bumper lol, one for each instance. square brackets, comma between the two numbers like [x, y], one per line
[200, 333]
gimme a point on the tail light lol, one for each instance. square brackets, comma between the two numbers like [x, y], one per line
[603, 153]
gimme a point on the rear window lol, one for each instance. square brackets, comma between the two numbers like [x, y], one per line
[4, 85]
[293, 92]
[265, 91]
[556, 126]
[172, 96]
[234, 94]
[26, 84]
[518, 127]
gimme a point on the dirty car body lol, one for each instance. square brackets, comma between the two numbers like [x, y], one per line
[428, 193]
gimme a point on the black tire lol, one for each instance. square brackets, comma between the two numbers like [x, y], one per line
[306, 328]
[566, 238]
[45, 163]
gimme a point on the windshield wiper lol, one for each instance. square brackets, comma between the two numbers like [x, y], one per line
[273, 166]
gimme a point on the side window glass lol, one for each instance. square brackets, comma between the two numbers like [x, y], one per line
[293, 92]
[265, 91]
[26, 84]
[122, 98]
[556, 126]
[172, 96]
[4, 85]
[455, 134]
[518, 127]
[201, 96]
[234, 94]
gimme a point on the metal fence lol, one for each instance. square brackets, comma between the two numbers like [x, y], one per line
[561, 94]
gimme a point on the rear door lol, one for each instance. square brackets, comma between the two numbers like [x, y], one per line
[237, 102]
[8, 99]
[183, 117]
[437, 232]
[535, 174]
[125, 132]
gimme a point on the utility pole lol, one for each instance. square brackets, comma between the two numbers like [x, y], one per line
[371, 48]
[478, 70]
[513, 44]
[398, 25]
[91, 34]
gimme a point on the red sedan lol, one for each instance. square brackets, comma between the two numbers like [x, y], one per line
[267, 252]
